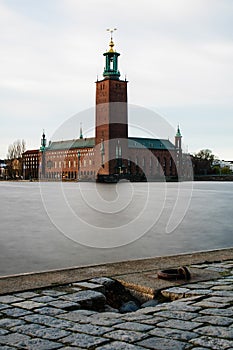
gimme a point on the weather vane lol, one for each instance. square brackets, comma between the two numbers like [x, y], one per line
[111, 31]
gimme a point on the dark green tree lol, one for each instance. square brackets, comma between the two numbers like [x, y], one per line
[205, 154]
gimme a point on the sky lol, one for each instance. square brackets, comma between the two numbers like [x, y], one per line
[176, 54]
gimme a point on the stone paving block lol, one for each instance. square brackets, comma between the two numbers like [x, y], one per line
[215, 320]
[3, 331]
[66, 305]
[89, 285]
[9, 299]
[170, 333]
[147, 310]
[189, 300]
[133, 326]
[153, 321]
[108, 322]
[174, 293]
[221, 312]
[179, 324]
[40, 344]
[200, 266]
[44, 299]
[53, 292]
[4, 306]
[10, 322]
[63, 304]
[229, 278]
[198, 348]
[182, 306]
[16, 312]
[226, 280]
[210, 304]
[227, 265]
[26, 295]
[218, 299]
[7, 348]
[77, 315]
[14, 339]
[116, 345]
[180, 315]
[48, 321]
[222, 287]
[84, 340]
[91, 329]
[157, 343]
[71, 348]
[213, 343]
[125, 335]
[105, 281]
[36, 330]
[197, 286]
[50, 311]
[198, 292]
[216, 331]
[107, 315]
[216, 268]
[223, 293]
[88, 299]
[132, 317]
[29, 305]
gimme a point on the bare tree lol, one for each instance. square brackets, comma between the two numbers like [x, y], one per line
[16, 149]
[14, 159]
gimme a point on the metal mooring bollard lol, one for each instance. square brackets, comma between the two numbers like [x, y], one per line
[180, 273]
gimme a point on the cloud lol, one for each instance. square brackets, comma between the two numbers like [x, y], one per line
[175, 54]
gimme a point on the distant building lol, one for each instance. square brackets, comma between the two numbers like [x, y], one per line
[111, 154]
[31, 164]
[223, 164]
[3, 169]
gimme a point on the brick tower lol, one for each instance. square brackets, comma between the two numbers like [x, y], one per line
[111, 118]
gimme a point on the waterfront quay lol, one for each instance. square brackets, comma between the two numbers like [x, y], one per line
[70, 309]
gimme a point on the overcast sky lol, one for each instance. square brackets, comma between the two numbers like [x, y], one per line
[177, 55]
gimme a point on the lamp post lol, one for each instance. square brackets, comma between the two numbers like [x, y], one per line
[79, 155]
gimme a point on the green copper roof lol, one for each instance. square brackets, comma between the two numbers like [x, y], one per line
[71, 144]
[138, 142]
[133, 142]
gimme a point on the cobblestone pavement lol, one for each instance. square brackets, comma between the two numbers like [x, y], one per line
[199, 317]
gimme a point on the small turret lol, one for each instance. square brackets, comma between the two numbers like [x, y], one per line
[178, 138]
[43, 142]
[81, 132]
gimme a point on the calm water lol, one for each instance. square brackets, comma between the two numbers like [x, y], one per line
[55, 225]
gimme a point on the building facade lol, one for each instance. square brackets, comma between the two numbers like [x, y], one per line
[31, 161]
[110, 155]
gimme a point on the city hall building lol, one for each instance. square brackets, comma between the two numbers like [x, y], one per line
[111, 155]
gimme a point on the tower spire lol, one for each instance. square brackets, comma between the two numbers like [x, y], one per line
[111, 60]
[43, 141]
[81, 131]
[178, 133]
[111, 44]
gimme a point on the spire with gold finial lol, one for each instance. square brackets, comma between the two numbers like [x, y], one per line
[111, 44]
[111, 71]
